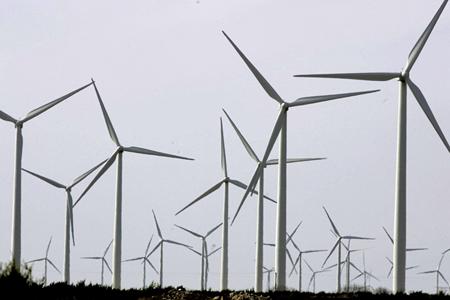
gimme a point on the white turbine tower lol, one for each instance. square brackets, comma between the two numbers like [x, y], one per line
[46, 260]
[69, 215]
[260, 207]
[299, 258]
[145, 261]
[203, 255]
[438, 273]
[225, 181]
[280, 128]
[160, 245]
[207, 255]
[17, 192]
[400, 194]
[338, 245]
[349, 264]
[103, 259]
[117, 248]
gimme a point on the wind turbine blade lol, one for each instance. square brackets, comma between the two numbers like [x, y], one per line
[214, 251]
[191, 232]
[108, 164]
[413, 267]
[154, 249]
[151, 265]
[290, 258]
[390, 271]
[293, 232]
[133, 259]
[151, 152]
[212, 230]
[243, 186]
[317, 99]
[357, 76]
[7, 117]
[222, 151]
[215, 187]
[176, 243]
[70, 208]
[423, 39]
[35, 260]
[266, 86]
[388, 235]
[195, 251]
[292, 160]
[350, 237]
[312, 251]
[52, 182]
[243, 140]
[427, 272]
[107, 265]
[157, 226]
[357, 277]
[48, 246]
[442, 276]
[289, 239]
[259, 168]
[91, 257]
[106, 251]
[111, 130]
[331, 252]
[445, 251]
[332, 224]
[426, 109]
[416, 249]
[43, 108]
[53, 266]
[148, 245]
[79, 179]
[308, 265]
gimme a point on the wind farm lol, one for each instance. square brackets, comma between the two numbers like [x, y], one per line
[165, 87]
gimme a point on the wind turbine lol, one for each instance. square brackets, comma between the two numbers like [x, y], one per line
[17, 193]
[145, 260]
[206, 262]
[69, 214]
[313, 276]
[203, 238]
[117, 248]
[348, 263]
[225, 181]
[46, 260]
[160, 245]
[365, 274]
[407, 249]
[438, 273]
[338, 245]
[102, 258]
[260, 206]
[280, 128]
[299, 258]
[268, 276]
[400, 197]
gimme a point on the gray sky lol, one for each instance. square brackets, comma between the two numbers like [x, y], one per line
[165, 71]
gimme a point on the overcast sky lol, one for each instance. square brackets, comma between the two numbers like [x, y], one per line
[165, 71]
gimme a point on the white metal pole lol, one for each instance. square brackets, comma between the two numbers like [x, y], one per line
[400, 198]
[338, 283]
[224, 277]
[202, 272]
[117, 250]
[161, 266]
[260, 236]
[300, 271]
[66, 271]
[280, 244]
[17, 200]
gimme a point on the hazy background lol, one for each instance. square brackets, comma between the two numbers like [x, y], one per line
[165, 71]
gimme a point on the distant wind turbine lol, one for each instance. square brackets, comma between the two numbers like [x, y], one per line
[313, 276]
[400, 199]
[103, 259]
[69, 215]
[392, 267]
[17, 198]
[160, 245]
[268, 276]
[260, 207]
[145, 261]
[365, 274]
[117, 248]
[438, 273]
[207, 255]
[46, 260]
[225, 181]
[299, 258]
[338, 245]
[203, 255]
[280, 128]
